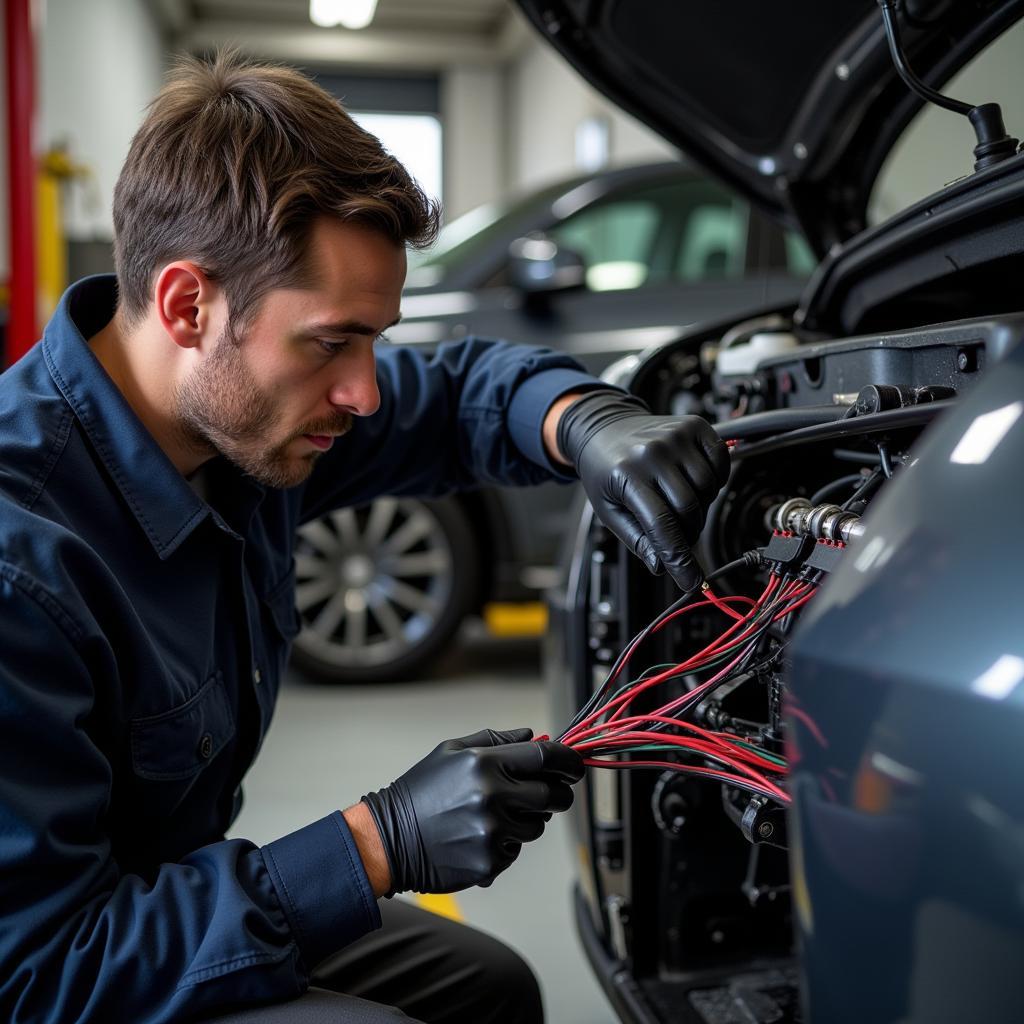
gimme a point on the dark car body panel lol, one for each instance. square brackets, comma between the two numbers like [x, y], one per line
[921, 821]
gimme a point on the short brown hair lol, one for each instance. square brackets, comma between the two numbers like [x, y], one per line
[233, 163]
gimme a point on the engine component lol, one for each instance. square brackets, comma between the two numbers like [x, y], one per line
[822, 522]
[874, 398]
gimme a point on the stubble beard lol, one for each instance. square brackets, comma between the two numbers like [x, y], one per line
[221, 408]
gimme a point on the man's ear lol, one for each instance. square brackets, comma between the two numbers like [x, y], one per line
[184, 298]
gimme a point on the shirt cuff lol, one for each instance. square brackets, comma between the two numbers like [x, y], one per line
[530, 404]
[322, 886]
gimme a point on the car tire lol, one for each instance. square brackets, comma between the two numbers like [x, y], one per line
[380, 589]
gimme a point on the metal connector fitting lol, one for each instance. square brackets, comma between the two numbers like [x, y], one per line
[822, 522]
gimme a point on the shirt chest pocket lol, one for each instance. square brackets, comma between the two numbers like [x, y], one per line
[177, 744]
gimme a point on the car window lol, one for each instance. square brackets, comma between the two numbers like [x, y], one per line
[688, 230]
[614, 240]
[713, 242]
[465, 238]
[800, 260]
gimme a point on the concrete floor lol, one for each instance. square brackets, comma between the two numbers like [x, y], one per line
[328, 746]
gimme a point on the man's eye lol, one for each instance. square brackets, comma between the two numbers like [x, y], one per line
[332, 348]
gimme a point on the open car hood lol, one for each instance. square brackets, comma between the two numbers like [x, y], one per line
[794, 104]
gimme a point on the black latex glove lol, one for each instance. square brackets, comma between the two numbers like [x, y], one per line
[460, 816]
[649, 478]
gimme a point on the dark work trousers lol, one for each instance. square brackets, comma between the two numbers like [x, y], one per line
[418, 968]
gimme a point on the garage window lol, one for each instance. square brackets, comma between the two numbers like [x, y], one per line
[415, 139]
[404, 113]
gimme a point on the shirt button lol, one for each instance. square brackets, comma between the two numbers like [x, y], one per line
[206, 746]
[256, 676]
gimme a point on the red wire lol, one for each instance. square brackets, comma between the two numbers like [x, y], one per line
[793, 607]
[707, 734]
[584, 736]
[794, 589]
[682, 611]
[672, 766]
[653, 680]
[617, 730]
[699, 746]
[719, 602]
[699, 658]
[691, 662]
[691, 695]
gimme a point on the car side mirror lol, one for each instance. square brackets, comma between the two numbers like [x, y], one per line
[537, 266]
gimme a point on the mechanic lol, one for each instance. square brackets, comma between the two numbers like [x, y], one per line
[159, 448]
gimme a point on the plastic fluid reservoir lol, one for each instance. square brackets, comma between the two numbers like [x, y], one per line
[749, 355]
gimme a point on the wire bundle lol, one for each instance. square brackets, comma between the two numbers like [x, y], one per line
[606, 727]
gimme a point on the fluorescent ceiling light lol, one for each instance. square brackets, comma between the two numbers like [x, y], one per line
[350, 13]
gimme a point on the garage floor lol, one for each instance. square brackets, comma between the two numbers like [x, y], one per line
[327, 746]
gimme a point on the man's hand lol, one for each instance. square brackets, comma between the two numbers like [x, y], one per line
[460, 816]
[649, 478]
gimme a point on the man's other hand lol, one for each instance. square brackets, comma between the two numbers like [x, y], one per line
[460, 816]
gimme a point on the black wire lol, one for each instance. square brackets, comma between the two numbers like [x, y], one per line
[751, 787]
[627, 653]
[859, 426]
[836, 485]
[751, 642]
[849, 455]
[748, 558]
[883, 454]
[903, 68]
[866, 489]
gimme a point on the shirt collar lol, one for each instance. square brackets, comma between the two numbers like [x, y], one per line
[167, 509]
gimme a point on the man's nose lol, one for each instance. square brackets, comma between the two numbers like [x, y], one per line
[355, 387]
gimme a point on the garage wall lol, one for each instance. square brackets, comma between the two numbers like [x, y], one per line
[546, 102]
[101, 63]
[472, 105]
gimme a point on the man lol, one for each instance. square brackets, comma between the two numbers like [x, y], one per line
[158, 450]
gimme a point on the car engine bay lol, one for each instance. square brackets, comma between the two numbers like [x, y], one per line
[688, 880]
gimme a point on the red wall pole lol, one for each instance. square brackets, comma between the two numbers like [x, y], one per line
[21, 171]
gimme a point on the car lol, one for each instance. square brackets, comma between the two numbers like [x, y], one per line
[803, 802]
[599, 266]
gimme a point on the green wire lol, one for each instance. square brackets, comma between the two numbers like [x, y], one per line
[760, 751]
[670, 746]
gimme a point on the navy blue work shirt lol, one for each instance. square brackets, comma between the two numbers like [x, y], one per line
[143, 633]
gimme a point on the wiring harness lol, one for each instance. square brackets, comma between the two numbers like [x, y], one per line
[608, 727]
[697, 732]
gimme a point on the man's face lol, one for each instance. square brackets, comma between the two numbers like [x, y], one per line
[273, 399]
